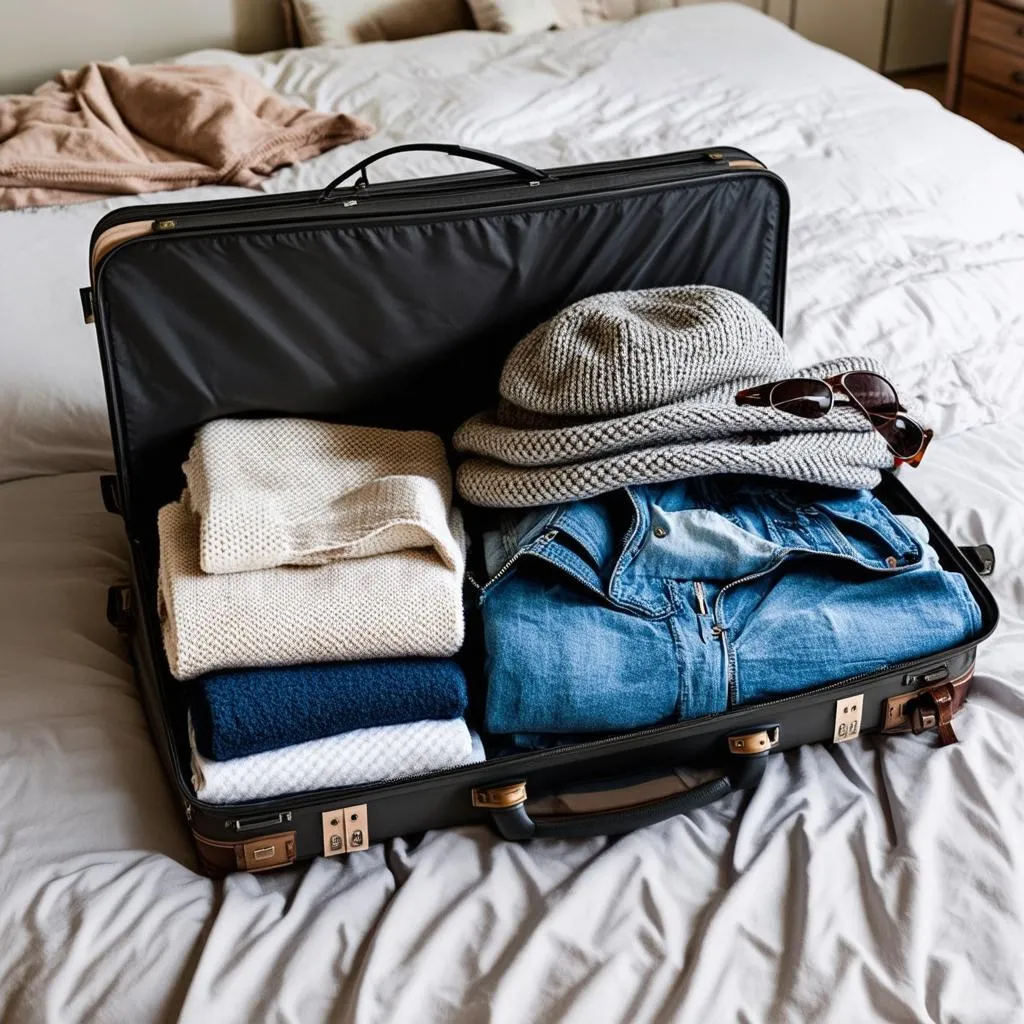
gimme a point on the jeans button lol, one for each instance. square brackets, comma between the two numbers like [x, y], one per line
[660, 531]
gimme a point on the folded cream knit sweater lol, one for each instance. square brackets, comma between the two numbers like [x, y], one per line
[302, 492]
[399, 604]
[303, 542]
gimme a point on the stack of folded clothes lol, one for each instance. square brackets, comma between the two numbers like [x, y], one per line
[689, 546]
[311, 585]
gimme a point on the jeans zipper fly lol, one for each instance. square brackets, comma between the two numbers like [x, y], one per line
[719, 630]
[541, 541]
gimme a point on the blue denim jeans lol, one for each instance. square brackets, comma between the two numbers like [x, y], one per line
[671, 601]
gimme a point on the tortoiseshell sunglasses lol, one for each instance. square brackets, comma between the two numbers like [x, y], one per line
[871, 393]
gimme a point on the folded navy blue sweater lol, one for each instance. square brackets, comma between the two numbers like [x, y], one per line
[252, 710]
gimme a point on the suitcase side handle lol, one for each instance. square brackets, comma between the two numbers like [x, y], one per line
[524, 171]
[513, 821]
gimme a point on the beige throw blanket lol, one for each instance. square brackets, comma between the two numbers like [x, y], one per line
[112, 129]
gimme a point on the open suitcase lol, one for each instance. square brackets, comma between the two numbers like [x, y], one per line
[395, 304]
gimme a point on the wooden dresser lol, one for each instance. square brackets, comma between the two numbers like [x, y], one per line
[986, 67]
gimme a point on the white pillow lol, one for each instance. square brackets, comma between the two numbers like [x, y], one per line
[345, 22]
[516, 15]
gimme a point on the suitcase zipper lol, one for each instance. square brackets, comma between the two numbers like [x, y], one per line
[225, 213]
[505, 200]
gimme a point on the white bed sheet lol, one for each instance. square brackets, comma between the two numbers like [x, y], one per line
[880, 880]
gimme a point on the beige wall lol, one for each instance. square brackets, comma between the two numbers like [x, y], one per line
[39, 37]
[919, 33]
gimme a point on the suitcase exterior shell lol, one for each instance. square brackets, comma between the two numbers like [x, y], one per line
[233, 308]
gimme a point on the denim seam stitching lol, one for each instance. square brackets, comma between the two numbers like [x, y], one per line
[682, 680]
[626, 558]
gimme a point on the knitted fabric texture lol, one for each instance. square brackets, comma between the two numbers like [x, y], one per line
[623, 352]
[712, 413]
[351, 759]
[639, 387]
[240, 713]
[840, 459]
[277, 492]
[399, 604]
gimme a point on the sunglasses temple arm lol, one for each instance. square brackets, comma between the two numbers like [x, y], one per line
[753, 396]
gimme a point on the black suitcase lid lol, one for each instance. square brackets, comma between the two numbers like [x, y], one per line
[394, 304]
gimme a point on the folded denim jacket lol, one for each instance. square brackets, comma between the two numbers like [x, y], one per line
[658, 603]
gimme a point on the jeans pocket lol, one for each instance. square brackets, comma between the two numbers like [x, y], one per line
[874, 535]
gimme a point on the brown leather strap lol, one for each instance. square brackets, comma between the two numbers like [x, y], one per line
[944, 705]
[935, 710]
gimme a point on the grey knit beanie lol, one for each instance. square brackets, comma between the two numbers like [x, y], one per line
[639, 387]
[626, 352]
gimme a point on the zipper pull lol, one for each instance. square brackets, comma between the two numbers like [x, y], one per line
[702, 604]
[717, 158]
[164, 225]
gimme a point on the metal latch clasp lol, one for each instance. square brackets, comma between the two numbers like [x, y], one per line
[267, 852]
[759, 742]
[346, 830]
[500, 797]
[849, 712]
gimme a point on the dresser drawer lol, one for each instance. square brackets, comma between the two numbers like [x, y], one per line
[994, 66]
[1003, 26]
[999, 112]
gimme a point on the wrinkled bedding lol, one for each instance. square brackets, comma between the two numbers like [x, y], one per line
[878, 880]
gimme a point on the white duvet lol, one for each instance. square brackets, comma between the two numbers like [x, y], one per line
[879, 880]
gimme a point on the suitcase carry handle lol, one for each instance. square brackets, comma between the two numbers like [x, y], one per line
[525, 171]
[507, 804]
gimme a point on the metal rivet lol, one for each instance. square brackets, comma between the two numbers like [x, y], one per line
[660, 531]
[892, 561]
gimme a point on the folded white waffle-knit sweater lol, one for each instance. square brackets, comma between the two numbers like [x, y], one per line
[349, 759]
[392, 605]
[276, 492]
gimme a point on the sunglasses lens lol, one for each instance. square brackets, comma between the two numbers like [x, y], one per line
[877, 397]
[874, 394]
[810, 399]
[903, 436]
